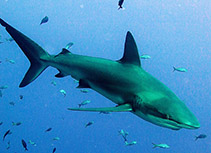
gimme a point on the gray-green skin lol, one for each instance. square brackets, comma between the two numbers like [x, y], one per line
[124, 82]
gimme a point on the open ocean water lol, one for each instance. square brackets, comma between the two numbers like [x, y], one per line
[174, 33]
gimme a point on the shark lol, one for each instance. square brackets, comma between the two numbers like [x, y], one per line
[123, 81]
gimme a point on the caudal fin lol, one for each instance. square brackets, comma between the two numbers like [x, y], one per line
[174, 69]
[154, 145]
[33, 52]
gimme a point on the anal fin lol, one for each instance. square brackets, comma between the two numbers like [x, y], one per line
[60, 74]
[119, 108]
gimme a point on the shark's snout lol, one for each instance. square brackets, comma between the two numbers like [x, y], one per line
[192, 124]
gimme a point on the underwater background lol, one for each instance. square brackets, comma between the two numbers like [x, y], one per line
[174, 33]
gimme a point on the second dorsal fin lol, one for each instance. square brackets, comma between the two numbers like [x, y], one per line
[65, 51]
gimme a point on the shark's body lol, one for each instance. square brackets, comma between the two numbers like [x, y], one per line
[124, 82]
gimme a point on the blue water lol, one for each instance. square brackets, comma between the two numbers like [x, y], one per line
[174, 33]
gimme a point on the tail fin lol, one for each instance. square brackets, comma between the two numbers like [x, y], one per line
[174, 69]
[126, 143]
[33, 52]
[120, 7]
[154, 145]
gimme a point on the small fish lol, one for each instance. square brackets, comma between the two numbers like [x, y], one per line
[120, 3]
[54, 150]
[32, 143]
[162, 145]
[1, 94]
[16, 124]
[145, 56]
[24, 145]
[76, 81]
[124, 134]
[10, 61]
[84, 103]
[56, 138]
[44, 20]
[12, 103]
[49, 129]
[21, 96]
[53, 83]
[4, 87]
[201, 136]
[63, 92]
[9, 39]
[84, 90]
[179, 69]
[1, 123]
[8, 145]
[7, 133]
[103, 112]
[131, 143]
[69, 45]
[89, 123]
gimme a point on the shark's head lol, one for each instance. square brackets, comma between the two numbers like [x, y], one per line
[167, 112]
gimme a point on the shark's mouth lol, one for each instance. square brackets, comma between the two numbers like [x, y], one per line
[155, 116]
[151, 111]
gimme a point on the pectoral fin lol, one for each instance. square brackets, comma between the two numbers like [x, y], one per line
[120, 108]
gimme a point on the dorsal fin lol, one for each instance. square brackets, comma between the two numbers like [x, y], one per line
[131, 55]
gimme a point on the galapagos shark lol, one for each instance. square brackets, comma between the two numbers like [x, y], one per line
[124, 81]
